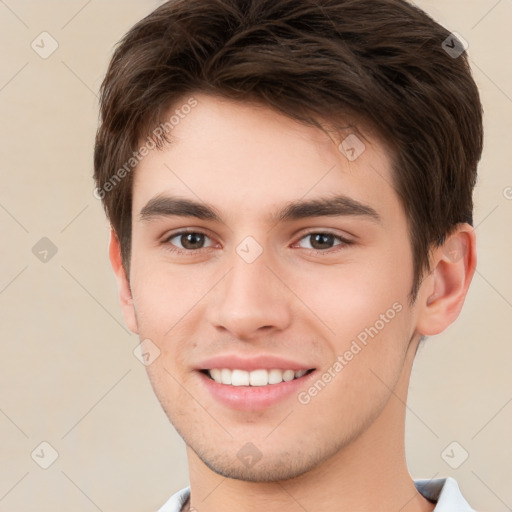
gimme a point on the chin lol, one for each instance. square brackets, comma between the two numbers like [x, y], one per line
[265, 467]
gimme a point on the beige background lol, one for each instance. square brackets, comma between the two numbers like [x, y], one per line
[67, 372]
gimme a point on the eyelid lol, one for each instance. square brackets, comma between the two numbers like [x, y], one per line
[344, 240]
[184, 231]
[166, 240]
[325, 231]
[200, 231]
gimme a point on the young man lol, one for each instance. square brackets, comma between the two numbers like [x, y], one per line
[289, 184]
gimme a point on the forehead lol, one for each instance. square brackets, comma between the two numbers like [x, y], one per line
[246, 158]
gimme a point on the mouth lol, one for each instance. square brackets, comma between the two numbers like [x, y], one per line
[255, 383]
[255, 378]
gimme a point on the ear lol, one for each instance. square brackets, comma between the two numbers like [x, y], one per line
[123, 284]
[444, 290]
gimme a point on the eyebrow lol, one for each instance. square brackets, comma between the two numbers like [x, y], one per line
[167, 206]
[329, 206]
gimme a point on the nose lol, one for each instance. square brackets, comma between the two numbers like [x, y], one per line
[250, 300]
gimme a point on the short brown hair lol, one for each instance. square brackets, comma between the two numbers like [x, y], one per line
[383, 61]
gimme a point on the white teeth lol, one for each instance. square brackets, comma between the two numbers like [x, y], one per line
[239, 378]
[258, 378]
[275, 376]
[216, 374]
[288, 375]
[254, 378]
[225, 376]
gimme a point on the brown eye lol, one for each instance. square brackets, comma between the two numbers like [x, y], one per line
[321, 241]
[189, 241]
[192, 241]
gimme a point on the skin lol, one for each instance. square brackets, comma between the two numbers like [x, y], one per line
[344, 450]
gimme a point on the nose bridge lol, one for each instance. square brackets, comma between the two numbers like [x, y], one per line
[248, 278]
[250, 297]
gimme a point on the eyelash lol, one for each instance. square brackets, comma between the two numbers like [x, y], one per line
[190, 252]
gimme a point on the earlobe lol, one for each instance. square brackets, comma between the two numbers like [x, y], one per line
[123, 283]
[443, 292]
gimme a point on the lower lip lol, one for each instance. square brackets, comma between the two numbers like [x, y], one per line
[254, 398]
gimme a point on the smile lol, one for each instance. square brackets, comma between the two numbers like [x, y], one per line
[260, 377]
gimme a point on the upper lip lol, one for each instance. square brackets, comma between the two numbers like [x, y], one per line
[268, 362]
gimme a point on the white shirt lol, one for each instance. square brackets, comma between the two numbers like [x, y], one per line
[444, 492]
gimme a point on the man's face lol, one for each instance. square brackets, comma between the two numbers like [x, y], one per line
[265, 284]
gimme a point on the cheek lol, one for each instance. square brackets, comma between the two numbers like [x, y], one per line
[365, 307]
[350, 298]
[164, 295]
[170, 307]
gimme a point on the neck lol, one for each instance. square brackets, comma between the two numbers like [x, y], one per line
[369, 474]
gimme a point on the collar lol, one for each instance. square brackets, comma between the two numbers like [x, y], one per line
[444, 492]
